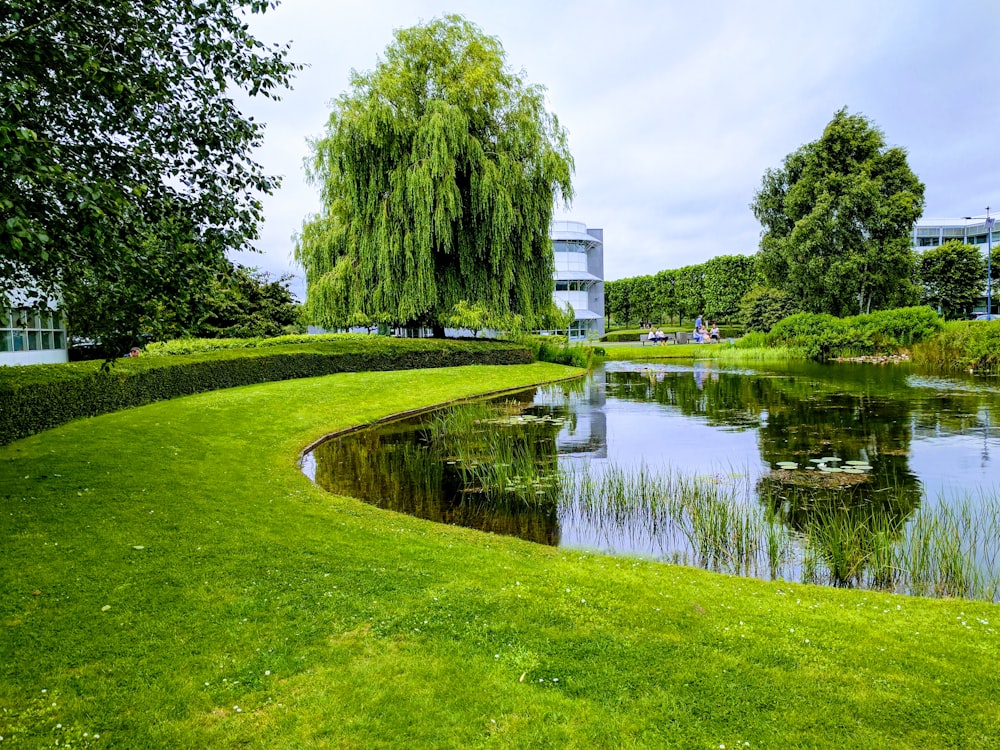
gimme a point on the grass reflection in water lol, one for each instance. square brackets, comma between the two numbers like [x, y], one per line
[495, 467]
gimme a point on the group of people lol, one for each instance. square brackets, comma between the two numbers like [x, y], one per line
[703, 335]
[656, 336]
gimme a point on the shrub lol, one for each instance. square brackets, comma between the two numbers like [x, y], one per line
[903, 326]
[762, 307]
[556, 349]
[36, 398]
[622, 336]
[823, 336]
[962, 345]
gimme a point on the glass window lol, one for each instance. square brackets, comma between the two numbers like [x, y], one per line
[6, 343]
[34, 341]
[47, 340]
[20, 344]
[59, 340]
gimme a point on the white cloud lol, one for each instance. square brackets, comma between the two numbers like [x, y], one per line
[675, 110]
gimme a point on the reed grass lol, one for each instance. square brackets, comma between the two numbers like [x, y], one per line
[943, 550]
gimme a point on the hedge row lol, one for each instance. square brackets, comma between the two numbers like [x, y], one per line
[39, 397]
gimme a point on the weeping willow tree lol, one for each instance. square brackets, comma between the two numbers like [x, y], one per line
[438, 173]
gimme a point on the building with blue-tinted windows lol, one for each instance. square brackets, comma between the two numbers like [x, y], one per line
[579, 276]
[929, 233]
[29, 336]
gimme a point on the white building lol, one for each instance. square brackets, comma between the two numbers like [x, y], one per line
[579, 275]
[934, 232]
[928, 233]
[29, 336]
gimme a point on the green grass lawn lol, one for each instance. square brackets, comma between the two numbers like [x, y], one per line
[171, 580]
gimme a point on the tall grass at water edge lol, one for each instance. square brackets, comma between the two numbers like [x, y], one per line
[944, 550]
[962, 345]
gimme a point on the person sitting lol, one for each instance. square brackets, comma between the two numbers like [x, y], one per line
[713, 334]
[699, 335]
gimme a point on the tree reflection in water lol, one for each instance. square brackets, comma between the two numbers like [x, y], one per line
[498, 468]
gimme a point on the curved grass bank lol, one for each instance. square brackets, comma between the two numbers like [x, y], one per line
[171, 580]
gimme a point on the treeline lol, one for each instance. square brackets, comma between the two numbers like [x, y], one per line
[714, 289]
[734, 289]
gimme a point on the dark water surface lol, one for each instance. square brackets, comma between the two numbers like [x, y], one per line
[921, 440]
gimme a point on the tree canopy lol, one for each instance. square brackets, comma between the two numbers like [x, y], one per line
[836, 221]
[952, 278]
[118, 128]
[438, 172]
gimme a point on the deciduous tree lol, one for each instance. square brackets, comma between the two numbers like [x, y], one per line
[117, 118]
[836, 221]
[438, 173]
[952, 278]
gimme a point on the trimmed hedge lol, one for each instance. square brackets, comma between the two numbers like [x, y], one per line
[616, 336]
[38, 397]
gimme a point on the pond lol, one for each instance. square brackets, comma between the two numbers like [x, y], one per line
[860, 475]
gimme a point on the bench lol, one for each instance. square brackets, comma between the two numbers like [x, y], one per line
[670, 339]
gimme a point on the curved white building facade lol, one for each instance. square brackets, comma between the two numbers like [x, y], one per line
[579, 275]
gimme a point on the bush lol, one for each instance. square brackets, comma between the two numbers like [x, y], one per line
[556, 349]
[818, 334]
[823, 336]
[192, 346]
[36, 398]
[622, 336]
[762, 307]
[752, 340]
[962, 345]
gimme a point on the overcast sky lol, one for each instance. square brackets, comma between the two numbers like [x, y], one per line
[675, 109]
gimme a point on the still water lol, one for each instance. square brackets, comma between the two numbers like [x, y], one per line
[852, 440]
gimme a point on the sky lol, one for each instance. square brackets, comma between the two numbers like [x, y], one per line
[674, 109]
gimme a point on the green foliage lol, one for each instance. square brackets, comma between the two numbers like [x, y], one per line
[763, 306]
[725, 282]
[438, 172]
[752, 340]
[836, 221]
[193, 346]
[689, 291]
[963, 345]
[823, 336]
[556, 349]
[902, 327]
[952, 278]
[819, 334]
[713, 288]
[247, 304]
[36, 398]
[299, 607]
[617, 336]
[126, 168]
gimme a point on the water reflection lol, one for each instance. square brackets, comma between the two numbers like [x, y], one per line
[840, 457]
